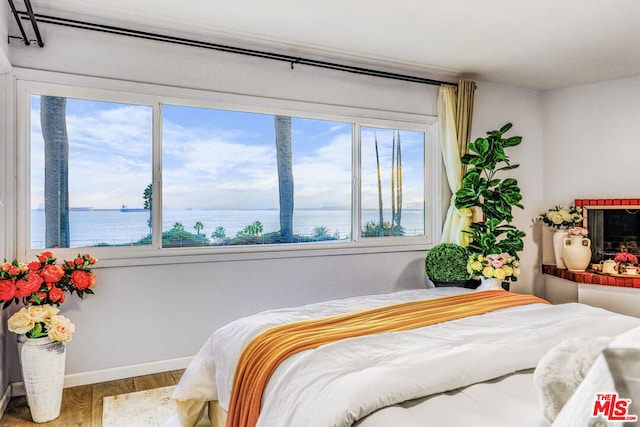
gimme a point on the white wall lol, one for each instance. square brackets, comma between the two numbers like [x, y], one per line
[591, 144]
[154, 313]
[496, 105]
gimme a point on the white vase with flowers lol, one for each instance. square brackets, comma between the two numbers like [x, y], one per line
[561, 220]
[493, 269]
[576, 251]
[41, 286]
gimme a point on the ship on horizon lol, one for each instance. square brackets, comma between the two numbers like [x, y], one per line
[124, 208]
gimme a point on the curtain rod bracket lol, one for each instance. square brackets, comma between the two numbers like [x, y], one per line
[31, 18]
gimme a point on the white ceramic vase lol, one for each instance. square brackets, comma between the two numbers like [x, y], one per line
[489, 283]
[42, 362]
[576, 253]
[558, 246]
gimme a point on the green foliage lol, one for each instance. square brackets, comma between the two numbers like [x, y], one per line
[252, 230]
[219, 233]
[373, 229]
[320, 232]
[199, 226]
[496, 197]
[447, 262]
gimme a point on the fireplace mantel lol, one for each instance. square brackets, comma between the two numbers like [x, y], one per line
[592, 278]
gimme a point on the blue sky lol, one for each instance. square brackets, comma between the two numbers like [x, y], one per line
[215, 159]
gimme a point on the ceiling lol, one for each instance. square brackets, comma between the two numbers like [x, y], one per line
[542, 44]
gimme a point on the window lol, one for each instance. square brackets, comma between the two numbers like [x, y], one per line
[392, 189]
[85, 155]
[245, 178]
[125, 173]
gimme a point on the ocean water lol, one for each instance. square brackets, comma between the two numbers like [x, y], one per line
[114, 227]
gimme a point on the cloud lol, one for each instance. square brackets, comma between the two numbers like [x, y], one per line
[227, 164]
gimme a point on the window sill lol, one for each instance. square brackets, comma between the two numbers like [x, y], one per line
[247, 253]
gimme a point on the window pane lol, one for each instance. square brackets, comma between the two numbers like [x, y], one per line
[90, 163]
[392, 184]
[222, 185]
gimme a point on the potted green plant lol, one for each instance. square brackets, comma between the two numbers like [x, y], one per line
[446, 265]
[483, 188]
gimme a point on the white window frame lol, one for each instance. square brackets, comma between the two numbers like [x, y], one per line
[31, 82]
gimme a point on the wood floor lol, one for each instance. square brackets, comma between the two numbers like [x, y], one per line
[82, 406]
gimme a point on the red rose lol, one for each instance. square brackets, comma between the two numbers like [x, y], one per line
[56, 295]
[34, 266]
[52, 273]
[83, 279]
[14, 271]
[7, 290]
[41, 298]
[45, 256]
[79, 261]
[29, 286]
[34, 281]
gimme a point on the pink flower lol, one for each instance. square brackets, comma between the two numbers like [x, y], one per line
[626, 257]
[578, 231]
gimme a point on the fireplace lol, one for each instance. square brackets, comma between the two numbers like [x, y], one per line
[613, 224]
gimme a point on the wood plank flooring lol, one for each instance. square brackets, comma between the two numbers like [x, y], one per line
[82, 406]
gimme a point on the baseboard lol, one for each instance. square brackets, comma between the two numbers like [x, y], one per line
[4, 400]
[93, 377]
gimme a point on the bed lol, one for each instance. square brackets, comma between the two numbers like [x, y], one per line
[475, 370]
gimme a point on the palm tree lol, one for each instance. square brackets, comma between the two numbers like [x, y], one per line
[198, 227]
[381, 222]
[53, 111]
[148, 198]
[396, 185]
[285, 175]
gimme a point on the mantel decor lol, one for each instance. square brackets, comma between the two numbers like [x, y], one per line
[41, 286]
[614, 226]
[561, 220]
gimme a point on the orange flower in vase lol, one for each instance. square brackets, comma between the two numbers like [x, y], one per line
[44, 283]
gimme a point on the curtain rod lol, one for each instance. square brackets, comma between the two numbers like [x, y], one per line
[293, 60]
[31, 18]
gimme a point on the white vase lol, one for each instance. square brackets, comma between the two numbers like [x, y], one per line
[489, 283]
[576, 253]
[558, 244]
[42, 362]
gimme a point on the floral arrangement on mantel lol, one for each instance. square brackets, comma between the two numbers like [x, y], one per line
[560, 218]
[625, 258]
[578, 231]
[499, 266]
[42, 286]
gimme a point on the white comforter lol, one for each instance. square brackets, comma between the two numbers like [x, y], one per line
[339, 383]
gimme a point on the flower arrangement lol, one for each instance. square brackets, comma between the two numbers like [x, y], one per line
[578, 231]
[625, 258]
[42, 286]
[558, 217]
[499, 266]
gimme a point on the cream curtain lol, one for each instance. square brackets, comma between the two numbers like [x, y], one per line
[455, 107]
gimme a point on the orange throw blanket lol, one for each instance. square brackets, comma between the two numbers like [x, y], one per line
[265, 352]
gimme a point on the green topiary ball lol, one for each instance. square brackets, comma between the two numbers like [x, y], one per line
[447, 262]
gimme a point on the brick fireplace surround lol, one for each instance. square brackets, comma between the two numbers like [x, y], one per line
[591, 278]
